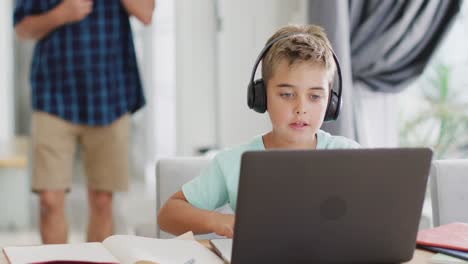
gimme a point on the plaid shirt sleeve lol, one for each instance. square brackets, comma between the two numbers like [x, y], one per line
[26, 8]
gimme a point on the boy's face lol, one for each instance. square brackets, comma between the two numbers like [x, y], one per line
[297, 98]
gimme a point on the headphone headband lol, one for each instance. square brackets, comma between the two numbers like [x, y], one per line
[265, 49]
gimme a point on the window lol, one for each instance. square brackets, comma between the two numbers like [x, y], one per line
[433, 111]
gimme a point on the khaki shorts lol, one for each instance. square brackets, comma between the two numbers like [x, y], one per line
[104, 151]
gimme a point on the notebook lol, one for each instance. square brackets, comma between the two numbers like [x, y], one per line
[451, 236]
[223, 248]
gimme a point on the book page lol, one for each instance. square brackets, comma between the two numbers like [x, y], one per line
[130, 249]
[83, 252]
[223, 247]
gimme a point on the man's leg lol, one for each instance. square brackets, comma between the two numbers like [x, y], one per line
[53, 225]
[53, 150]
[105, 159]
[100, 224]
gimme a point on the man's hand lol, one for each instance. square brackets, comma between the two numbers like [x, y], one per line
[223, 224]
[75, 10]
[141, 9]
[68, 11]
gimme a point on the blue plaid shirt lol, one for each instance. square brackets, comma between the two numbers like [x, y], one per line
[85, 72]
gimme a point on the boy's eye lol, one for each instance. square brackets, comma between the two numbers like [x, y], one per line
[315, 97]
[286, 95]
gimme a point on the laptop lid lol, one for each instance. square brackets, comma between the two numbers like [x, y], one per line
[330, 206]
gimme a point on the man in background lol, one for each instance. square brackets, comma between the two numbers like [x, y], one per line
[85, 84]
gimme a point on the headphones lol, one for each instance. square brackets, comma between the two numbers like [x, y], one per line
[256, 93]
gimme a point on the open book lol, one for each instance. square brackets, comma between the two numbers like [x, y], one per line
[117, 249]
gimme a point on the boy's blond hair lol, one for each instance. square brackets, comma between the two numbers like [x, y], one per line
[310, 45]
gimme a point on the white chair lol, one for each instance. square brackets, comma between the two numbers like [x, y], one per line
[449, 191]
[171, 174]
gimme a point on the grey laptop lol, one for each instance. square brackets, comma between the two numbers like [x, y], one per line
[329, 206]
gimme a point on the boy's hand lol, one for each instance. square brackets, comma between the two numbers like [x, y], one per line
[75, 10]
[223, 225]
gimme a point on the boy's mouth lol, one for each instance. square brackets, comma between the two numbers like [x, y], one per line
[298, 124]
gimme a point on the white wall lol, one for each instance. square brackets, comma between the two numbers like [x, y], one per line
[6, 71]
[214, 65]
[158, 72]
[195, 69]
[244, 32]
[164, 80]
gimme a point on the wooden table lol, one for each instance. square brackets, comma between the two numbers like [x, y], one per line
[420, 256]
[14, 154]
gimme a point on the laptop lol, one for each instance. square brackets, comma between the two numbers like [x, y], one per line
[329, 206]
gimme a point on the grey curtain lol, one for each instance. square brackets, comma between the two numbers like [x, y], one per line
[382, 45]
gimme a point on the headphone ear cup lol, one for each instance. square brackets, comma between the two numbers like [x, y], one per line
[259, 97]
[250, 96]
[333, 108]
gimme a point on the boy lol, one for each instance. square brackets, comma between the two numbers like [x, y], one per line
[298, 71]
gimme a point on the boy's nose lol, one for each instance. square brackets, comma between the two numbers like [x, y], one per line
[300, 107]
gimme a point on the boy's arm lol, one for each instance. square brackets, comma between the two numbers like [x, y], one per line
[178, 216]
[141, 9]
[37, 26]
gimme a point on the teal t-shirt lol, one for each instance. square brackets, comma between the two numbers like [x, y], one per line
[217, 184]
